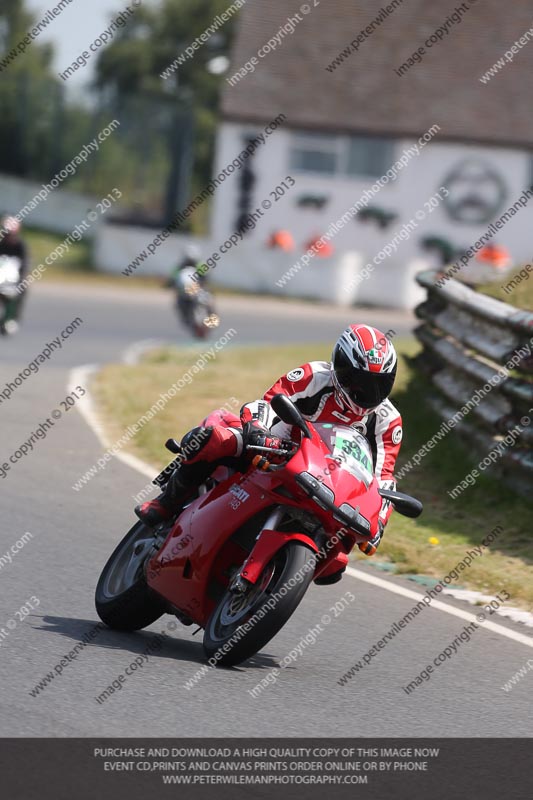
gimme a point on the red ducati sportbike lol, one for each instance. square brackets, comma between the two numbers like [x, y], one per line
[239, 556]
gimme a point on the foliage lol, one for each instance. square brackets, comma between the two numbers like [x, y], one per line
[132, 64]
[520, 294]
[42, 131]
[28, 96]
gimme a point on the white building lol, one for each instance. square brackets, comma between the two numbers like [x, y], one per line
[346, 126]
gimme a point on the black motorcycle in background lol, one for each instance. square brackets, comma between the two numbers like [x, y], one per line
[194, 303]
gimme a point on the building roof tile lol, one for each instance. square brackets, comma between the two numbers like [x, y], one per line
[364, 94]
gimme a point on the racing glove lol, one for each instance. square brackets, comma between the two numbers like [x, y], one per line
[256, 436]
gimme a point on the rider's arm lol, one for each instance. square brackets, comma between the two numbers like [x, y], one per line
[388, 437]
[201, 274]
[259, 413]
[24, 261]
[306, 386]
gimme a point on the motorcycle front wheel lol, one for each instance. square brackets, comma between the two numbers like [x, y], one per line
[123, 599]
[243, 623]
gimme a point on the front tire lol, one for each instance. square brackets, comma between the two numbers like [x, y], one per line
[123, 599]
[226, 626]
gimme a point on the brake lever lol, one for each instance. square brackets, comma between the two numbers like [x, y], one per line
[278, 452]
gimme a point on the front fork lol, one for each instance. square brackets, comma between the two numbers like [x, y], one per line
[267, 544]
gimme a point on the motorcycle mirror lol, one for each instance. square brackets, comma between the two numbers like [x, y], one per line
[403, 503]
[173, 446]
[287, 412]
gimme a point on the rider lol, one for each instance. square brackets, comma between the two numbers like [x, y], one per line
[12, 245]
[191, 258]
[353, 389]
[185, 301]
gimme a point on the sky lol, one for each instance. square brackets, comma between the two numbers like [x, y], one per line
[75, 28]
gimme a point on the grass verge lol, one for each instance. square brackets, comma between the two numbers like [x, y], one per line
[75, 266]
[124, 393]
[42, 243]
[520, 295]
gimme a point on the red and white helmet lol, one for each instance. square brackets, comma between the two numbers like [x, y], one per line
[363, 368]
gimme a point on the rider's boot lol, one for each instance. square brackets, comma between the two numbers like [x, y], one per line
[209, 445]
[180, 486]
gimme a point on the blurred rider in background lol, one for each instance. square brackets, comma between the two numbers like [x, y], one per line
[191, 259]
[12, 245]
[194, 301]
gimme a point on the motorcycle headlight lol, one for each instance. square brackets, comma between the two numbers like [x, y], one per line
[351, 515]
[325, 498]
[321, 494]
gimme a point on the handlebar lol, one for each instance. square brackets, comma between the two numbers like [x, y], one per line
[261, 462]
[276, 450]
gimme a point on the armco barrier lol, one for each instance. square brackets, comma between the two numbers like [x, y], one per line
[468, 339]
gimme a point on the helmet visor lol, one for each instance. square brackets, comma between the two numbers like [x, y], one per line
[365, 389]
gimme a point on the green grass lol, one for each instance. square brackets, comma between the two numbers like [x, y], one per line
[125, 392]
[41, 244]
[520, 296]
[461, 523]
[76, 265]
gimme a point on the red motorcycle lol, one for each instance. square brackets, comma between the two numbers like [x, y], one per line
[240, 555]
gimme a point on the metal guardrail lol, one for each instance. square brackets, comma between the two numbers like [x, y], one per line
[469, 339]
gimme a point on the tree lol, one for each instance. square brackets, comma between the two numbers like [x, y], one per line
[29, 95]
[131, 66]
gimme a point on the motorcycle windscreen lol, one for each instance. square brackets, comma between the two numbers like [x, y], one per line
[349, 450]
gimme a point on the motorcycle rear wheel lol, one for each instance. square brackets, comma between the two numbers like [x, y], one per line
[123, 599]
[226, 638]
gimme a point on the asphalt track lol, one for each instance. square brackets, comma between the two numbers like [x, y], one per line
[74, 532]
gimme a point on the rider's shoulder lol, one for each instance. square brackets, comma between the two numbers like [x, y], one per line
[388, 411]
[311, 371]
[320, 372]
[320, 367]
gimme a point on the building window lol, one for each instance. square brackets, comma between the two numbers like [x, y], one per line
[368, 156]
[315, 153]
[354, 156]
